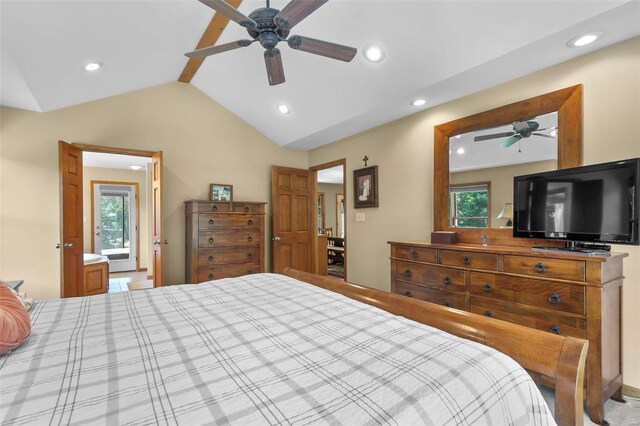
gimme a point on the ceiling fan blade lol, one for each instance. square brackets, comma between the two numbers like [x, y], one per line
[510, 141]
[296, 11]
[543, 135]
[323, 48]
[275, 71]
[230, 12]
[208, 51]
[493, 136]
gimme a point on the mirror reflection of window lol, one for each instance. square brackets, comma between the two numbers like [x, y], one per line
[469, 205]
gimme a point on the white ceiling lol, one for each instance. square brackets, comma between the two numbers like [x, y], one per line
[113, 161]
[489, 153]
[440, 50]
[331, 175]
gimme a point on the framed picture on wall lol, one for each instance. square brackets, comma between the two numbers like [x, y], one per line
[221, 192]
[365, 185]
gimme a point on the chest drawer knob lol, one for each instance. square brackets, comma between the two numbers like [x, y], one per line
[246, 209]
[210, 258]
[407, 293]
[488, 314]
[249, 238]
[487, 288]
[210, 276]
[211, 222]
[249, 222]
[447, 303]
[554, 299]
[413, 254]
[555, 329]
[249, 255]
[214, 208]
[539, 268]
[446, 280]
[407, 273]
[466, 260]
[210, 239]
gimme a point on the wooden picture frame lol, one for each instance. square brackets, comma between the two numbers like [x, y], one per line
[365, 187]
[221, 192]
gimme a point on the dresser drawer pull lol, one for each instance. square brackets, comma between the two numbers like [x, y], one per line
[246, 209]
[414, 254]
[554, 299]
[447, 303]
[211, 239]
[539, 268]
[407, 293]
[210, 258]
[249, 255]
[466, 260]
[249, 238]
[249, 222]
[210, 276]
[488, 314]
[446, 280]
[487, 288]
[214, 208]
[407, 273]
[211, 222]
[555, 329]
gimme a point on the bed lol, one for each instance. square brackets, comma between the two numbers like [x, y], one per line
[279, 349]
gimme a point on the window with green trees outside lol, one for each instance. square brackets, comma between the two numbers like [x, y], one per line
[469, 205]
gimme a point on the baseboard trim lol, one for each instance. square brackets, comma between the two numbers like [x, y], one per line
[630, 391]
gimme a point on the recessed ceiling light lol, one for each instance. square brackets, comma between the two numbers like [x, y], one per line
[419, 102]
[283, 109]
[460, 150]
[584, 39]
[136, 167]
[373, 53]
[93, 66]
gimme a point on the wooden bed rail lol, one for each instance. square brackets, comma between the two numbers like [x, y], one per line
[559, 357]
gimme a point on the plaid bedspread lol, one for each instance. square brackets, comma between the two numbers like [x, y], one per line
[258, 350]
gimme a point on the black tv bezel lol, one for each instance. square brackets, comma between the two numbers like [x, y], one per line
[633, 238]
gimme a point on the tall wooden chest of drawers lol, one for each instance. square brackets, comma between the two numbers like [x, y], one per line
[223, 239]
[564, 293]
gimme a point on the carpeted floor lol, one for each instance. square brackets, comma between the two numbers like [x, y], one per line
[616, 413]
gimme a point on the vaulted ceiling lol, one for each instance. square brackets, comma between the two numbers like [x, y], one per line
[437, 50]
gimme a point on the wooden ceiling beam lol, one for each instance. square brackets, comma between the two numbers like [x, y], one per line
[209, 38]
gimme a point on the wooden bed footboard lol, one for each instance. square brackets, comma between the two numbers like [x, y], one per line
[559, 357]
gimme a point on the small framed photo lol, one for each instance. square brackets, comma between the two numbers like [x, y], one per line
[365, 185]
[221, 192]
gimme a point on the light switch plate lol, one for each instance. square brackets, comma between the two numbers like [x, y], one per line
[359, 217]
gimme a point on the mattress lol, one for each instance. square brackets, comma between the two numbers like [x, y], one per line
[263, 349]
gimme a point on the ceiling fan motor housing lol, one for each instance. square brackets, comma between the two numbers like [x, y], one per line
[266, 31]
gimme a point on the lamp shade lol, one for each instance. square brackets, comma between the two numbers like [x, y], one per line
[507, 213]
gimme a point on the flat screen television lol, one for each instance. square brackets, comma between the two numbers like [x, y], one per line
[590, 204]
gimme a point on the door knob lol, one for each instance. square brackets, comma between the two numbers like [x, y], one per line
[68, 245]
[166, 242]
[276, 238]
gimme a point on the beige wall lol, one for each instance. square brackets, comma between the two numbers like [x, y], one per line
[501, 183]
[330, 190]
[202, 143]
[117, 175]
[403, 151]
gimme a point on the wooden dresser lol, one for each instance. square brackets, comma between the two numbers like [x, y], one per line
[564, 293]
[223, 239]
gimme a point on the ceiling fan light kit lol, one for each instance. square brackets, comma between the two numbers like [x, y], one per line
[270, 26]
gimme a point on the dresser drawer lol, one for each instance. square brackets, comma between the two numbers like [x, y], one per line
[470, 259]
[227, 271]
[225, 256]
[420, 254]
[527, 316]
[529, 291]
[215, 207]
[212, 239]
[228, 221]
[445, 298]
[430, 276]
[247, 208]
[545, 267]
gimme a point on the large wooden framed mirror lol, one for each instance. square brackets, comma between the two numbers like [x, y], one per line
[501, 143]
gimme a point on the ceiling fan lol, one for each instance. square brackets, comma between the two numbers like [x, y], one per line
[521, 130]
[270, 26]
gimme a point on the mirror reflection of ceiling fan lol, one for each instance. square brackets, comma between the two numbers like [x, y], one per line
[521, 130]
[270, 26]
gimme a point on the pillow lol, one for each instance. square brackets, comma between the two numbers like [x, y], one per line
[15, 323]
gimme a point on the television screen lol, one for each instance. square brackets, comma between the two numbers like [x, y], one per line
[593, 203]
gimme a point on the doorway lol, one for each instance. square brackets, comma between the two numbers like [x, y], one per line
[114, 224]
